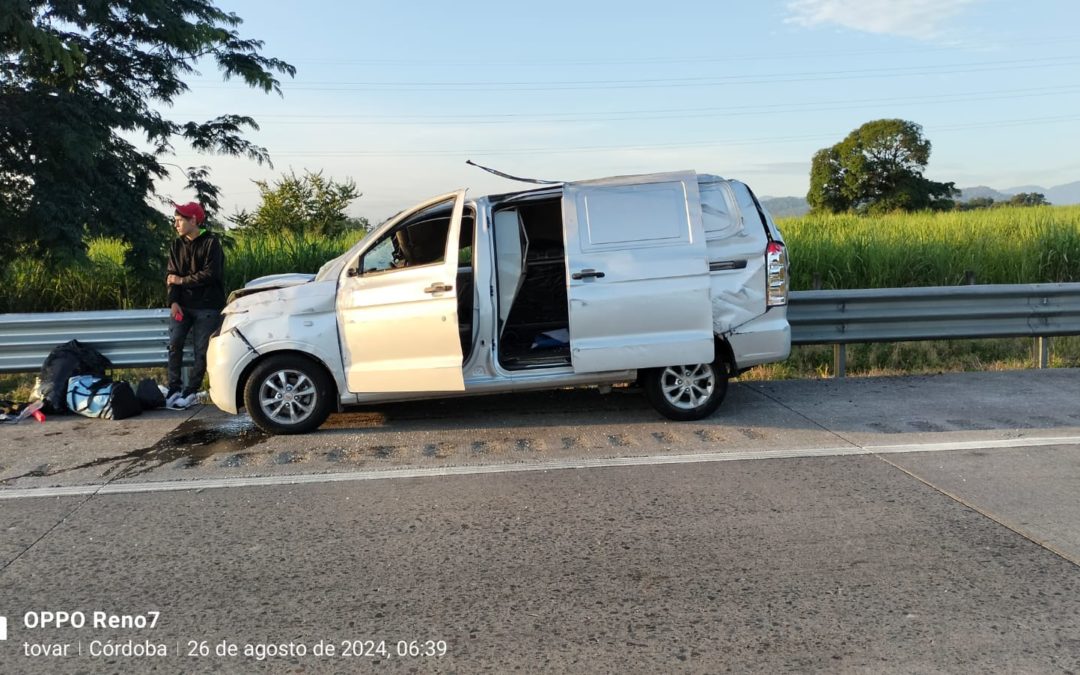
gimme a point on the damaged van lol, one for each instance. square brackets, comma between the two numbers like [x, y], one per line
[676, 281]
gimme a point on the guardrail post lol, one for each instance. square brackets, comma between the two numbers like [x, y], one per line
[1042, 347]
[839, 354]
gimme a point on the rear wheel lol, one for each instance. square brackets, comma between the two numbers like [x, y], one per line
[288, 394]
[686, 393]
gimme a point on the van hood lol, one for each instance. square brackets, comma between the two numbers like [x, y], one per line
[269, 283]
[301, 297]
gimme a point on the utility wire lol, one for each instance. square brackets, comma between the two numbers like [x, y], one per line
[705, 143]
[771, 55]
[677, 82]
[662, 114]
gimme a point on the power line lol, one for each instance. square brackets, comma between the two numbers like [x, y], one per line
[661, 59]
[678, 82]
[652, 146]
[661, 114]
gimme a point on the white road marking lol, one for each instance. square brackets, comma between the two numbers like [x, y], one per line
[555, 465]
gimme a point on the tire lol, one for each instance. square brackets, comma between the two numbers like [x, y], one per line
[288, 394]
[686, 393]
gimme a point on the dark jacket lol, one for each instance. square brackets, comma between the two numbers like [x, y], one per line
[201, 264]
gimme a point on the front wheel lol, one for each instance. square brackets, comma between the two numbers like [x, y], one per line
[686, 393]
[288, 394]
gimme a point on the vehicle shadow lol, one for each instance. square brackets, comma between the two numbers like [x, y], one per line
[1007, 400]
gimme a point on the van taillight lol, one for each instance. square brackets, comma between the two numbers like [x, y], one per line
[777, 264]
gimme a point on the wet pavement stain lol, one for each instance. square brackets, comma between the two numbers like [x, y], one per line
[923, 425]
[708, 435]
[383, 451]
[884, 428]
[236, 460]
[752, 434]
[1011, 423]
[966, 425]
[438, 450]
[618, 440]
[190, 444]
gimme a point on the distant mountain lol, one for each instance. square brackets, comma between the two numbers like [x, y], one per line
[982, 192]
[785, 207]
[1069, 193]
[1059, 195]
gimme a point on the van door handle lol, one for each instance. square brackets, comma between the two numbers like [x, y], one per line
[587, 274]
[438, 288]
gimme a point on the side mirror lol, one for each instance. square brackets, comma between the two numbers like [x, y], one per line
[352, 272]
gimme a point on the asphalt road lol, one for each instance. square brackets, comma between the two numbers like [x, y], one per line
[878, 525]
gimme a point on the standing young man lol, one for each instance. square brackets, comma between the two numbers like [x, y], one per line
[196, 298]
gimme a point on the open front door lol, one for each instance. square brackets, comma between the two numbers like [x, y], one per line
[637, 273]
[397, 304]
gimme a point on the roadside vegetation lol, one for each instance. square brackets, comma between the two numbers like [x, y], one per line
[1005, 245]
[999, 246]
[103, 281]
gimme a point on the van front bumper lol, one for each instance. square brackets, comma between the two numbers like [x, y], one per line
[226, 359]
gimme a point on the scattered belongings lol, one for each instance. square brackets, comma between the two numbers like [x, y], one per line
[13, 413]
[64, 362]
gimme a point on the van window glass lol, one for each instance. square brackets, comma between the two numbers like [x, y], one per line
[418, 240]
[717, 211]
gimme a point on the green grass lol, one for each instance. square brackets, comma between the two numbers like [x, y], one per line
[102, 281]
[256, 256]
[999, 246]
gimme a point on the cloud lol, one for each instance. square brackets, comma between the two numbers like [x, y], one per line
[920, 19]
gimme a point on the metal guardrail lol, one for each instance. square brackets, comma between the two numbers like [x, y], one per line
[134, 338]
[844, 317]
[129, 338]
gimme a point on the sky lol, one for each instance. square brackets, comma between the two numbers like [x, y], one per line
[397, 96]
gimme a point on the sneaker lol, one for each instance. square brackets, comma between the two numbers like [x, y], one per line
[171, 399]
[186, 401]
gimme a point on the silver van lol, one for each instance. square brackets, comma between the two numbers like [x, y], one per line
[678, 281]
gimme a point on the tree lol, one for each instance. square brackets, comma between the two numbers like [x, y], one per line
[81, 141]
[877, 167]
[976, 203]
[1028, 199]
[308, 204]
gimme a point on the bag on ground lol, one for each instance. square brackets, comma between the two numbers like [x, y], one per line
[63, 362]
[101, 397]
[149, 395]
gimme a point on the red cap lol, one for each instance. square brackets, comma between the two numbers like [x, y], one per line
[191, 210]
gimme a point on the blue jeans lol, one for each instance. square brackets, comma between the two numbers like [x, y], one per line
[201, 323]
